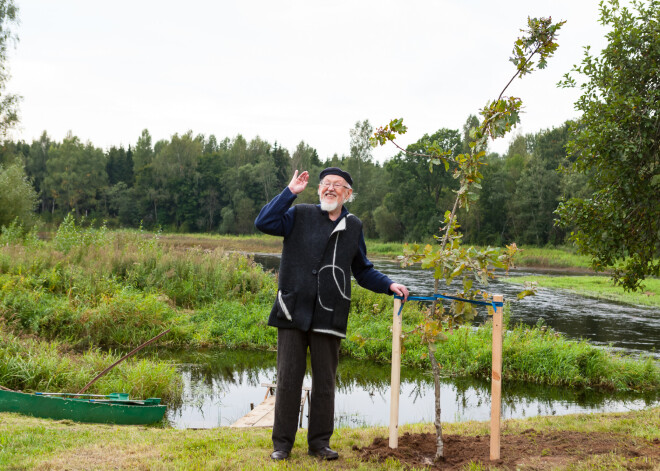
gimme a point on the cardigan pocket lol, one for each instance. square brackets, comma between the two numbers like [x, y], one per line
[340, 314]
[286, 302]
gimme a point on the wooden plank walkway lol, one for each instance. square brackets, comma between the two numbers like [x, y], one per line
[261, 416]
[264, 414]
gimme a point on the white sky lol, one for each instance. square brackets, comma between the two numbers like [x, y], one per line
[282, 70]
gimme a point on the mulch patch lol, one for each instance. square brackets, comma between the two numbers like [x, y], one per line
[531, 449]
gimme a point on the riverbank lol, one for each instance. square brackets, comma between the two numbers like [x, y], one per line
[31, 364]
[563, 257]
[100, 289]
[575, 442]
[597, 287]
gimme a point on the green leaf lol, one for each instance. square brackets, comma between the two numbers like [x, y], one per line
[525, 293]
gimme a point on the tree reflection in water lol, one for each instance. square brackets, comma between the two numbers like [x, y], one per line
[221, 384]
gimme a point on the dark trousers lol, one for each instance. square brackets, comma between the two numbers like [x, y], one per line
[292, 347]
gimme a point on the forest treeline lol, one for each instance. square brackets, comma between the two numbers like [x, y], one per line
[194, 183]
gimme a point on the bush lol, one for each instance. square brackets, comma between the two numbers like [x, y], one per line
[18, 198]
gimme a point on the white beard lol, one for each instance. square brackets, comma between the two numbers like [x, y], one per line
[329, 207]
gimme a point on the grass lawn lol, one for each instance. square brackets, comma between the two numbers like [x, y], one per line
[29, 443]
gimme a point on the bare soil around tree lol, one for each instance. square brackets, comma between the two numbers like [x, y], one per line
[530, 449]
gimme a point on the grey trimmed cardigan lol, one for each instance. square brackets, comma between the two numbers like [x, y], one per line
[315, 273]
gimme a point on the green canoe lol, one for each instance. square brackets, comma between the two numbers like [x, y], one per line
[114, 408]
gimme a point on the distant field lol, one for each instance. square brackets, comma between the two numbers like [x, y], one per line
[529, 256]
[249, 243]
[559, 257]
[599, 287]
[540, 257]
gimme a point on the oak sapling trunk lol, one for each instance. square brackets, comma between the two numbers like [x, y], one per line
[449, 260]
[439, 444]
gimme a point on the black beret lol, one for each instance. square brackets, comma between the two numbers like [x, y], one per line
[337, 171]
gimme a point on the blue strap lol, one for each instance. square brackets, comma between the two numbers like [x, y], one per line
[435, 297]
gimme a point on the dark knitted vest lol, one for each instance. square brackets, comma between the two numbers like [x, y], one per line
[315, 273]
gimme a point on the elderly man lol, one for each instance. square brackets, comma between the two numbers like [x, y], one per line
[323, 244]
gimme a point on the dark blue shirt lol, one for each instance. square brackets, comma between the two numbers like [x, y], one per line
[277, 217]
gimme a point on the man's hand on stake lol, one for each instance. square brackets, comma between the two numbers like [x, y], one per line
[299, 182]
[399, 289]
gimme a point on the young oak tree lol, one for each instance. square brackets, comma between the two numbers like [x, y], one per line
[616, 144]
[448, 259]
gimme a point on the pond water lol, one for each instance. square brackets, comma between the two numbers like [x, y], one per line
[219, 386]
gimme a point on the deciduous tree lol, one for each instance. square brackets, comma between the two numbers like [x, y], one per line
[616, 143]
[76, 175]
[18, 199]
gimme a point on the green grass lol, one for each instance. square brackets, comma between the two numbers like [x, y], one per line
[552, 257]
[29, 443]
[389, 249]
[599, 287]
[564, 257]
[255, 243]
[30, 364]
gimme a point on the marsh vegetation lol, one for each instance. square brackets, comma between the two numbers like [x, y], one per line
[92, 291]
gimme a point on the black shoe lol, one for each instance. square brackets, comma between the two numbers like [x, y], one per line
[279, 455]
[325, 453]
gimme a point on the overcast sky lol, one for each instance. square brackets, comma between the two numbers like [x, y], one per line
[283, 70]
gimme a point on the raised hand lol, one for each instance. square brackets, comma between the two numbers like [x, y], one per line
[299, 182]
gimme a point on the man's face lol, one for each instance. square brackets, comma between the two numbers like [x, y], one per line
[333, 192]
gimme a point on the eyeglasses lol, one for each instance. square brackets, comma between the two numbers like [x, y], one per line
[327, 184]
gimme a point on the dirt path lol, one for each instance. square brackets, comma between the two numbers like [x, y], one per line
[529, 450]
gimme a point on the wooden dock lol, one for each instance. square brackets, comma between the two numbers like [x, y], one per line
[263, 415]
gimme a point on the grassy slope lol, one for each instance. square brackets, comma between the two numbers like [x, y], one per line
[28, 443]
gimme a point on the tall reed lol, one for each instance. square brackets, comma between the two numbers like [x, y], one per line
[29, 364]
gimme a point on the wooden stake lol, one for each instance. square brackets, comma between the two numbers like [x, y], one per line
[496, 382]
[395, 386]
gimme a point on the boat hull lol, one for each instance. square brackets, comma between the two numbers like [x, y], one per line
[59, 408]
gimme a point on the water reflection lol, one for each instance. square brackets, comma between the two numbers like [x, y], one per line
[220, 385]
[632, 329]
